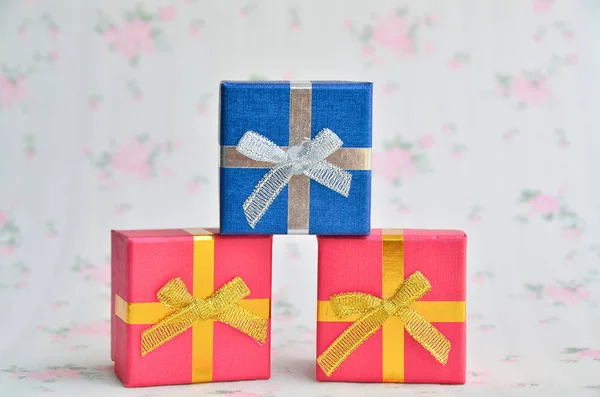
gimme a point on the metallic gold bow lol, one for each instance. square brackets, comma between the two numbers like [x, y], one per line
[221, 306]
[374, 312]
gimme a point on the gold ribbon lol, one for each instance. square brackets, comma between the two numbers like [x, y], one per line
[221, 306]
[374, 313]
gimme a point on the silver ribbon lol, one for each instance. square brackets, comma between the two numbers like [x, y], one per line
[307, 158]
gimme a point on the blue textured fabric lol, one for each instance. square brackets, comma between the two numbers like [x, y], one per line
[344, 108]
[260, 107]
[263, 107]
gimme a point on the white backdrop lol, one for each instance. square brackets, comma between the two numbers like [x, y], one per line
[485, 119]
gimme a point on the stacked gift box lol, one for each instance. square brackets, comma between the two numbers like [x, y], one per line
[193, 305]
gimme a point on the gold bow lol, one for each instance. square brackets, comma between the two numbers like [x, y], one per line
[374, 312]
[221, 306]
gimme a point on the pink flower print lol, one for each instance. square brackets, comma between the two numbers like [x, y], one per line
[528, 92]
[391, 32]
[454, 64]
[29, 153]
[572, 59]
[367, 51]
[132, 158]
[242, 394]
[567, 295]
[569, 35]
[478, 279]
[99, 273]
[572, 232]
[103, 176]
[167, 13]
[194, 31]
[394, 164]
[295, 26]
[544, 204]
[3, 218]
[7, 249]
[54, 31]
[53, 56]
[11, 91]
[428, 47]
[132, 39]
[95, 328]
[201, 109]
[588, 353]
[193, 187]
[426, 141]
[348, 24]
[542, 6]
[49, 374]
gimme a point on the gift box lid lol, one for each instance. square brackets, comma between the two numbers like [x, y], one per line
[344, 107]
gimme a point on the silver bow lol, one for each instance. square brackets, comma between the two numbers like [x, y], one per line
[307, 158]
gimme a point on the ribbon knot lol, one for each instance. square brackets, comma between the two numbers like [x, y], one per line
[307, 158]
[373, 312]
[222, 306]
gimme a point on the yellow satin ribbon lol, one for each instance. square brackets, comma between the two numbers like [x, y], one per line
[374, 313]
[222, 306]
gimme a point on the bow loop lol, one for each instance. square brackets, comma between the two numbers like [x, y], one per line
[323, 145]
[353, 304]
[175, 295]
[260, 148]
[307, 158]
[411, 290]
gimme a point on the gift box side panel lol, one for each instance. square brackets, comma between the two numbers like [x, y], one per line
[262, 107]
[237, 356]
[349, 264]
[153, 261]
[441, 256]
[346, 109]
[236, 184]
[119, 275]
[421, 367]
[333, 214]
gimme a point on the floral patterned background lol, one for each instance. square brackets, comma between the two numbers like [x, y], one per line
[485, 119]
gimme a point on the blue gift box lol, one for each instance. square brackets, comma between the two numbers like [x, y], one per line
[295, 157]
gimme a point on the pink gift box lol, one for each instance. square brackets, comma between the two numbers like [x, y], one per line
[143, 261]
[377, 265]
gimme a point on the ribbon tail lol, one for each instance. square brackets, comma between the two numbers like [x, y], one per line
[351, 339]
[169, 328]
[426, 334]
[259, 148]
[265, 193]
[246, 321]
[353, 303]
[331, 176]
